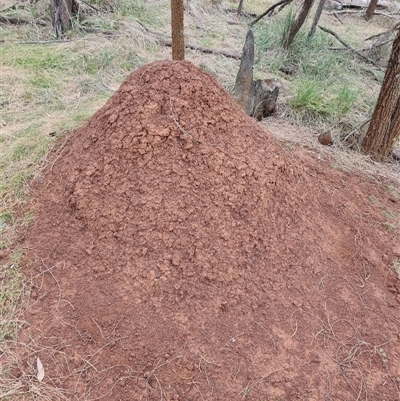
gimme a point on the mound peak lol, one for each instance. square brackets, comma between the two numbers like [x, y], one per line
[195, 258]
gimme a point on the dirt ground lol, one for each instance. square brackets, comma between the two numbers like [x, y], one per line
[180, 252]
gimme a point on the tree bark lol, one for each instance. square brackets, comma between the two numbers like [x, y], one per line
[61, 11]
[243, 90]
[384, 128]
[178, 40]
[297, 22]
[317, 16]
[370, 10]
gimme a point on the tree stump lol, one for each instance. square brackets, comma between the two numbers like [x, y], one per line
[255, 98]
[61, 11]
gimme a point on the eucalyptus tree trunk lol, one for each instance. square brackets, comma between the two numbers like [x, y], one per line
[297, 22]
[61, 11]
[178, 40]
[384, 128]
[371, 9]
[317, 16]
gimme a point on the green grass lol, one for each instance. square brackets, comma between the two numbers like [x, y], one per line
[325, 86]
[10, 294]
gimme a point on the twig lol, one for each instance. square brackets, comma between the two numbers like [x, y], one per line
[181, 128]
[346, 45]
[393, 28]
[270, 9]
[90, 5]
[273, 342]
[101, 331]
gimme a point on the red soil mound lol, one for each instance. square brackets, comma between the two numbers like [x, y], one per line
[179, 252]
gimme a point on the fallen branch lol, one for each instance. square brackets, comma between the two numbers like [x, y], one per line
[346, 45]
[38, 42]
[242, 13]
[236, 56]
[91, 6]
[361, 11]
[393, 28]
[18, 21]
[269, 11]
[168, 42]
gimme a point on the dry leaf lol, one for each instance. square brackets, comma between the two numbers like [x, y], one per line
[40, 369]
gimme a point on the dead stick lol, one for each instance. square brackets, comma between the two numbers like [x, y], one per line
[281, 2]
[394, 27]
[18, 21]
[236, 56]
[346, 45]
[88, 4]
[38, 42]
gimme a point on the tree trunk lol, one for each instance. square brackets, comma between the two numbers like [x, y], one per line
[317, 16]
[240, 6]
[384, 128]
[370, 10]
[297, 22]
[61, 11]
[178, 40]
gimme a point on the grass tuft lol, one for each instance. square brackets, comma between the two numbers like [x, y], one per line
[324, 86]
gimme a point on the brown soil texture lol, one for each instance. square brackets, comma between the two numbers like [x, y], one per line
[180, 252]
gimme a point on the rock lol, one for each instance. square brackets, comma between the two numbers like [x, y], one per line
[325, 139]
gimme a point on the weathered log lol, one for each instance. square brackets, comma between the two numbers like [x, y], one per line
[18, 21]
[255, 98]
[242, 92]
[265, 93]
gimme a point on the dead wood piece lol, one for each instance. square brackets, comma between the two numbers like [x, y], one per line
[393, 28]
[19, 21]
[265, 93]
[236, 56]
[42, 42]
[242, 13]
[255, 98]
[168, 42]
[368, 60]
[271, 9]
[243, 90]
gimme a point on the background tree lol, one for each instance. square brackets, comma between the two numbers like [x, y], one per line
[384, 128]
[61, 11]
[317, 16]
[371, 9]
[297, 23]
[178, 40]
[240, 6]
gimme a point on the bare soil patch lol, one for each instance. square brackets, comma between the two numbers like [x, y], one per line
[180, 252]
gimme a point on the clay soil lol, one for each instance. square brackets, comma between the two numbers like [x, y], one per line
[180, 252]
